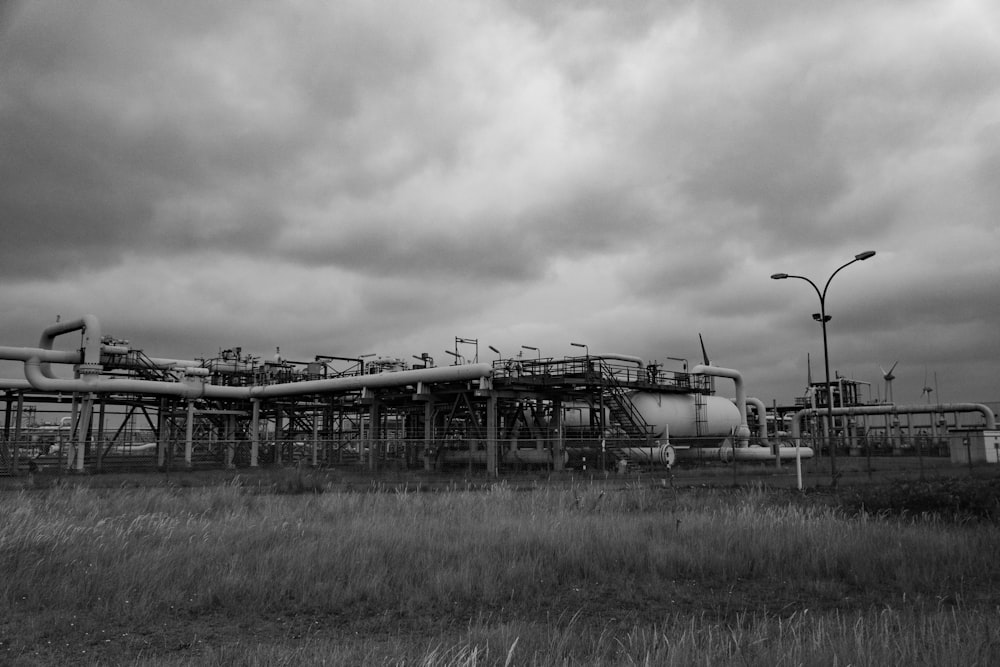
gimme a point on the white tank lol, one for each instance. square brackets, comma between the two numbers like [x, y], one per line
[674, 410]
[677, 411]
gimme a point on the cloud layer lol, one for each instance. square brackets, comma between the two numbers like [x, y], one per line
[353, 177]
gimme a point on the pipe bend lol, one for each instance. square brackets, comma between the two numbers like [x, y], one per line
[743, 430]
[91, 328]
[92, 383]
[761, 419]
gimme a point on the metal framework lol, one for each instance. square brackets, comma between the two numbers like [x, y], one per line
[512, 415]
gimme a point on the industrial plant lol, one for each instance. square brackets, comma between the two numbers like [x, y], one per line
[91, 402]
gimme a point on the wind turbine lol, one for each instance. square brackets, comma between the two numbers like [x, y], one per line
[927, 388]
[888, 377]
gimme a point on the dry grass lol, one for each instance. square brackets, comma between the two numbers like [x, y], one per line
[588, 574]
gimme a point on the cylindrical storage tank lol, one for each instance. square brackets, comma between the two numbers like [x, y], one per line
[677, 411]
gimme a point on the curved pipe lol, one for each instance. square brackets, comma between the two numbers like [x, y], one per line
[742, 431]
[92, 383]
[761, 418]
[91, 340]
[939, 408]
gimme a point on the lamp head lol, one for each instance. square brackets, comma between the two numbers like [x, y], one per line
[779, 276]
[867, 254]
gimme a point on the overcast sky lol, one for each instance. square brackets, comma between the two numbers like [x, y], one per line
[346, 178]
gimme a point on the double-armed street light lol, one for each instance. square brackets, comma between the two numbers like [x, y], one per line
[823, 318]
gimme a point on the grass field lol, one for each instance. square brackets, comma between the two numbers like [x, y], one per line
[283, 571]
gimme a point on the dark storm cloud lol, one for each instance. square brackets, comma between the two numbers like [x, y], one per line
[333, 177]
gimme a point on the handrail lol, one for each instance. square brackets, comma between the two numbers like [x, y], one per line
[637, 421]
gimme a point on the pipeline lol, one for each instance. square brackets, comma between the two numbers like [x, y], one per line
[938, 408]
[14, 385]
[620, 357]
[742, 431]
[37, 371]
[761, 419]
[195, 387]
[91, 341]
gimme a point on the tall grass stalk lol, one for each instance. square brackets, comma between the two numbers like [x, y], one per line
[627, 575]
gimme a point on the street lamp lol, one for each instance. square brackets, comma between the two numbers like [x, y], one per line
[496, 351]
[584, 346]
[534, 349]
[823, 318]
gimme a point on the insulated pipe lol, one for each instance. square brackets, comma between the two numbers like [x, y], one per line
[93, 347]
[195, 387]
[620, 357]
[91, 340]
[150, 362]
[14, 385]
[742, 431]
[92, 383]
[990, 418]
[44, 355]
[390, 379]
[761, 418]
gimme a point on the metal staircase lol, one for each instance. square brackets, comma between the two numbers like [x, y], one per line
[623, 413]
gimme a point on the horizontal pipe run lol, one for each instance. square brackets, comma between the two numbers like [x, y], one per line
[44, 355]
[888, 409]
[632, 359]
[196, 387]
[92, 383]
[14, 385]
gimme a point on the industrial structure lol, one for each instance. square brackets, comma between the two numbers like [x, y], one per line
[125, 408]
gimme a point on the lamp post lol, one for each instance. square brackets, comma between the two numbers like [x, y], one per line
[534, 349]
[823, 318]
[496, 351]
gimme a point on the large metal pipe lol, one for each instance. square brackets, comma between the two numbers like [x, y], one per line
[632, 359]
[93, 383]
[152, 362]
[889, 409]
[761, 419]
[742, 431]
[467, 372]
[91, 341]
[44, 355]
[14, 385]
[195, 387]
